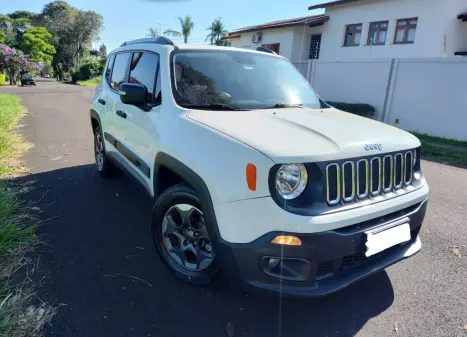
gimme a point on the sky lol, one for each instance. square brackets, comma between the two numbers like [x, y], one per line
[130, 19]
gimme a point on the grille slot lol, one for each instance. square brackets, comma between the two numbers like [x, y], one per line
[398, 171]
[333, 184]
[362, 178]
[359, 179]
[387, 173]
[348, 181]
[408, 168]
[375, 176]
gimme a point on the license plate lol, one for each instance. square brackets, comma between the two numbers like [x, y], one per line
[384, 237]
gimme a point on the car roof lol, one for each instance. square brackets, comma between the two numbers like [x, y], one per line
[187, 46]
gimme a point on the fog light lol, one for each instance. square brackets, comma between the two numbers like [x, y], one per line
[287, 240]
[273, 263]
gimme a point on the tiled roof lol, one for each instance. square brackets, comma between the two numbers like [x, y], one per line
[462, 17]
[331, 3]
[231, 36]
[309, 20]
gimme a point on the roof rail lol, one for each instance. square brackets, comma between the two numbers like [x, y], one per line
[266, 50]
[159, 40]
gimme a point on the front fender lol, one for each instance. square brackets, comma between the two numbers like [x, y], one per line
[218, 159]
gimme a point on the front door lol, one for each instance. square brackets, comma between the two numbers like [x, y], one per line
[114, 124]
[140, 131]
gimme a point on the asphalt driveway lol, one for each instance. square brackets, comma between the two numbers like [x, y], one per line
[100, 265]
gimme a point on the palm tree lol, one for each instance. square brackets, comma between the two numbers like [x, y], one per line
[187, 27]
[211, 35]
[216, 32]
[172, 32]
[153, 32]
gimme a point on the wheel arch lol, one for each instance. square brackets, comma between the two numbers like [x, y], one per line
[192, 179]
[95, 119]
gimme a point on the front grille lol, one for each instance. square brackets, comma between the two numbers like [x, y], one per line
[362, 178]
[408, 168]
[333, 182]
[352, 180]
[387, 173]
[398, 171]
[348, 181]
[375, 176]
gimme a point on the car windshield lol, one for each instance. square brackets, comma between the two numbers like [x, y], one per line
[238, 80]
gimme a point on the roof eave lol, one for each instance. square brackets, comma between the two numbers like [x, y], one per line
[330, 4]
[310, 23]
[318, 22]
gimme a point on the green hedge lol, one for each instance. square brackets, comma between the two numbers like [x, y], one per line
[360, 109]
[86, 71]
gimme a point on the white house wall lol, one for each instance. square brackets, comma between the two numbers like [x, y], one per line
[302, 42]
[236, 42]
[294, 41]
[430, 96]
[284, 36]
[436, 19]
[353, 81]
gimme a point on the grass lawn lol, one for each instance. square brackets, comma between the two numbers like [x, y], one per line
[90, 83]
[17, 238]
[452, 151]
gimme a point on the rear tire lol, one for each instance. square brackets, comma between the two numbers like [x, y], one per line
[180, 236]
[104, 166]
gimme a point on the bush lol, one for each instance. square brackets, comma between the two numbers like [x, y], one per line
[359, 109]
[86, 71]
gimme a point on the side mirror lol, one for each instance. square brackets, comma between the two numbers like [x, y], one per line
[134, 94]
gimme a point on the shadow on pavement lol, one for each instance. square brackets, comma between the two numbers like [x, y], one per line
[100, 263]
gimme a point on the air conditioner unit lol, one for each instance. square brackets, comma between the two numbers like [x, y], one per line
[256, 38]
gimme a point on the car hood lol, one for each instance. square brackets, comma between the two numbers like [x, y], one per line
[304, 135]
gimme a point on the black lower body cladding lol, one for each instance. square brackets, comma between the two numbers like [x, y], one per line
[325, 262]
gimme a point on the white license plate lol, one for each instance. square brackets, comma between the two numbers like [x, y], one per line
[384, 237]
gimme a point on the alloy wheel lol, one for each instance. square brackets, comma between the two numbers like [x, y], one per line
[186, 238]
[99, 149]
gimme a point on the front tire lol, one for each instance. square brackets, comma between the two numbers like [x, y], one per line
[105, 168]
[181, 237]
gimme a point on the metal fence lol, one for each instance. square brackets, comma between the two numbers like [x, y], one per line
[302, 67]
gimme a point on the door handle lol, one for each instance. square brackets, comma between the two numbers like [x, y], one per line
[101, 101]
[121, 113]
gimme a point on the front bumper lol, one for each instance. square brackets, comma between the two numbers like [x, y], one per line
[326, 262]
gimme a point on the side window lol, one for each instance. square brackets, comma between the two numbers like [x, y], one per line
[108, 70]
[143, 71]
[119, 70]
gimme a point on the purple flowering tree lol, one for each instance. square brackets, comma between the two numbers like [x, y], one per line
[16, 63]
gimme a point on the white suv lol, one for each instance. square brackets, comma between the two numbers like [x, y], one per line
[252, 173]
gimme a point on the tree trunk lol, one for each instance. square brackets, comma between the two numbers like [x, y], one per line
[12, 76]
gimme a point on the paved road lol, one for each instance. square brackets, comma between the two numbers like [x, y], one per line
[97, 231]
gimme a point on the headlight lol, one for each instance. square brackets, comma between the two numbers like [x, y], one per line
[291, 180]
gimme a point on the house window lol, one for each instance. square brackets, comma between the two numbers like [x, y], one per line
[275, 47]
[405, 31]
[315, 47]
[353, 34]
[377, 33]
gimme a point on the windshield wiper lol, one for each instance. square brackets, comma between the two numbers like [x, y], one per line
[212, 106]
[284, 106]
